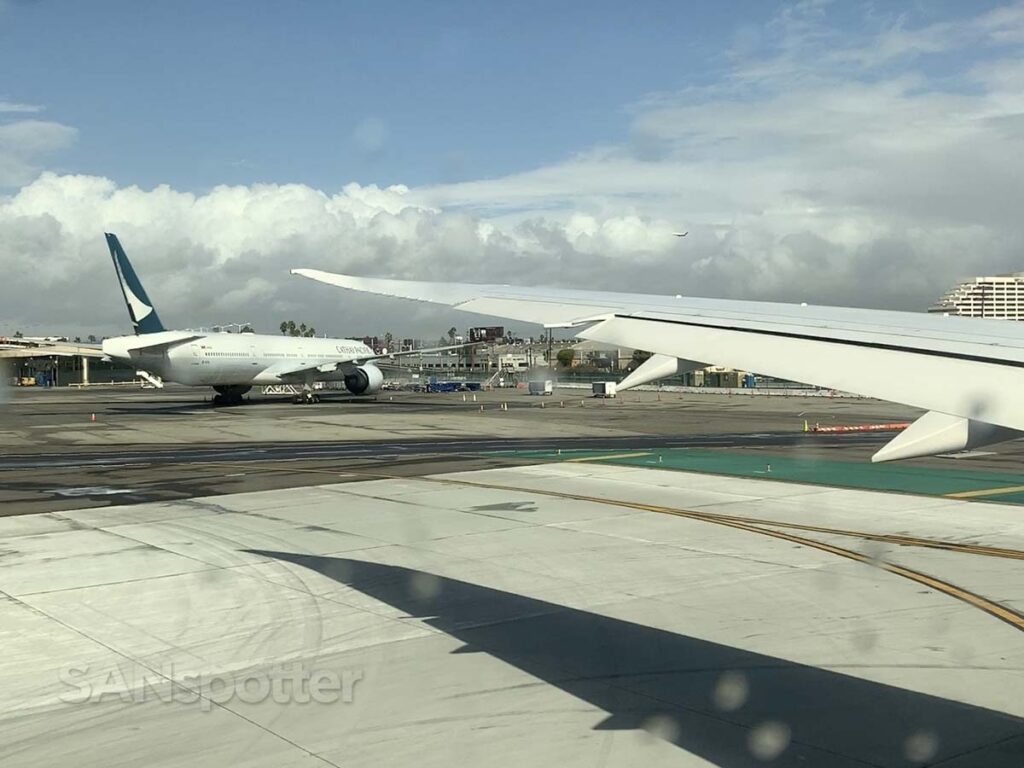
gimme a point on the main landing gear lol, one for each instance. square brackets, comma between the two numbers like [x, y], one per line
[229, 395]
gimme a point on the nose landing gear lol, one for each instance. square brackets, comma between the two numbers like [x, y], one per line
[308, 397]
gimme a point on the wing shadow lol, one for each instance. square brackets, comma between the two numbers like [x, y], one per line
[713, 700]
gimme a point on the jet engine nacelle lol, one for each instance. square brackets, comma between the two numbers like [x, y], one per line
[365, 380]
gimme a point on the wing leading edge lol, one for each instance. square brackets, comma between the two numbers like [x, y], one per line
[967, 370]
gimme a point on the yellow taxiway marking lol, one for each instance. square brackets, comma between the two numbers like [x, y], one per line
[632, 455]
[770, 528]
[986, 492]
[990, 607]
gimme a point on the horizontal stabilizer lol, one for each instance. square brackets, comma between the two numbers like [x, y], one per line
[163, 341]
[656, 367]
[936, 433]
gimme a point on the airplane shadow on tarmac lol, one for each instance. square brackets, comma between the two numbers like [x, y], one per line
[730, 706]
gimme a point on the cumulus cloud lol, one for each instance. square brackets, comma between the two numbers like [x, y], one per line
[24, 144]
[820, 168]
[224, 256]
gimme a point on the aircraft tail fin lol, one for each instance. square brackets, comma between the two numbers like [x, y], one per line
[140, 308]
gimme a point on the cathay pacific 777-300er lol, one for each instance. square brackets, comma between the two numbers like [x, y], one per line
[232, 363]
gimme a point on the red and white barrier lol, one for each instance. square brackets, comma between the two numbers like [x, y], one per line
[894, 426]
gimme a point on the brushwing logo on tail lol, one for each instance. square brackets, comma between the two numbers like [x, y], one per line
[136, 306]
[140, 307]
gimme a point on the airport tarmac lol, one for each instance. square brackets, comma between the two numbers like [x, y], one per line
[150, 445]
[620, 583]
[39, 419]
[556, 614]
[147, 445]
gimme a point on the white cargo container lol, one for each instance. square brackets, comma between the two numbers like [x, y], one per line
[542, 387]
[603, 389]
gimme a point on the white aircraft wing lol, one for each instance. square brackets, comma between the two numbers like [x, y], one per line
[301, 369]
[968, 373]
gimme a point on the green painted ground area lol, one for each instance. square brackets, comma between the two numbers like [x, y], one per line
[992, 486]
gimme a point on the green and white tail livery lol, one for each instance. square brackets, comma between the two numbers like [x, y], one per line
[140, 308]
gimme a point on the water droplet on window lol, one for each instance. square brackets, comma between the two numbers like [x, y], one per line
[864, 639]
[663, 727]
[768, 740]
[424, 585]
[731, 691]
[921, 746]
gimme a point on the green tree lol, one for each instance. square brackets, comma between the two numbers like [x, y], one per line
[247, 329]
[18, 334]
[565, 357]
[452, 333]
[289, 328]
[92, 338]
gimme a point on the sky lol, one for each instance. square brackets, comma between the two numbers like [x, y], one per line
[849, 153]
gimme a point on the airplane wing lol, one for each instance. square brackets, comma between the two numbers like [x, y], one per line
[413, 352]
[967, 373]
[301, 369]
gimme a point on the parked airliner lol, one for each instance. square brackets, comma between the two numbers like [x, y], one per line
[232, 363]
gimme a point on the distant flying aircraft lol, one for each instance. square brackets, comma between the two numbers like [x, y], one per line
[681, 234]
[232, 363]
[967, 373]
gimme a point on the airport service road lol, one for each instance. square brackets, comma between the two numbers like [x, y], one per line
[570, 614]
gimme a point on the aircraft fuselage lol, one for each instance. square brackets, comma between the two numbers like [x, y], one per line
[230, 359]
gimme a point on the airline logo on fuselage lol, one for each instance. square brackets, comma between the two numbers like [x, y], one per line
[351, 349]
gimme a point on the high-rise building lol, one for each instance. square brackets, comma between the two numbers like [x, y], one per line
[1001, 296]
